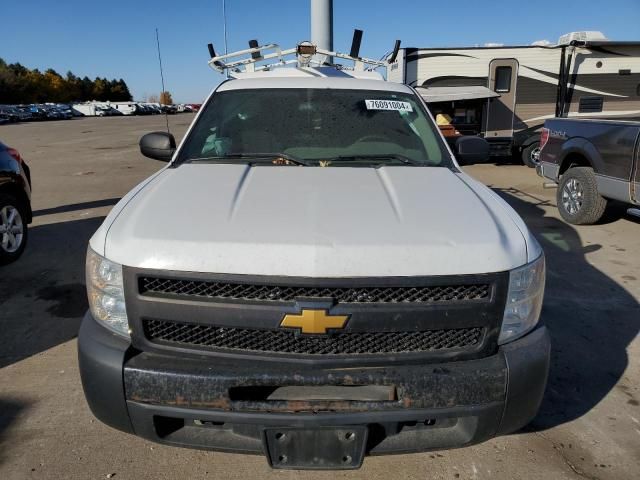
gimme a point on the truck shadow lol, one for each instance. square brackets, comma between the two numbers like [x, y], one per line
[591, 317]
[42, 295]
[107, 202]
[10, 410]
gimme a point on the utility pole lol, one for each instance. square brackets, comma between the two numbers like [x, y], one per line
[322, 26]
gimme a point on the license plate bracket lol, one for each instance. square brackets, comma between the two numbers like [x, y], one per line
[322, 448]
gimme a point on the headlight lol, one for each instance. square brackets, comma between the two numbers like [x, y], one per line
[106, 293]
[524, 300]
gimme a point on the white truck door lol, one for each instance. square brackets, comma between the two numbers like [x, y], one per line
[503, 79]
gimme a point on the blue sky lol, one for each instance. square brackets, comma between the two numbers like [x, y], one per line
[117, 38]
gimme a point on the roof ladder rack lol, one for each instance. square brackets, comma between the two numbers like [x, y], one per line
[267, 57]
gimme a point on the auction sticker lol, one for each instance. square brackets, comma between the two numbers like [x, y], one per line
[388, 105]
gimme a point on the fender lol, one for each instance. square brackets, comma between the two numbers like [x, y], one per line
[530, 140]
[15, 179]
[523, 138]
[582, 147]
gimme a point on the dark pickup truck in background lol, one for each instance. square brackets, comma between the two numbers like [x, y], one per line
[592, 161]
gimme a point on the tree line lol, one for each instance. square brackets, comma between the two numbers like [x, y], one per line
[19, 84]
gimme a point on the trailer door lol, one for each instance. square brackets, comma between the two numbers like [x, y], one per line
[503, 79]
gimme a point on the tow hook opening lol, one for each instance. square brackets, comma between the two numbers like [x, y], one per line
[344, 393]
[165, 426]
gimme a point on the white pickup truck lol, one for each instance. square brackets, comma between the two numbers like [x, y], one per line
[313, 278]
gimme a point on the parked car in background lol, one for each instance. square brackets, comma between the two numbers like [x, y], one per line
[15, 113]
[592, 161]
[10, 114]
[144, 109]
[113, 112]
[65, 110]
[36, 112]
[22, 115]
[154, 108]
[15, 204]
[170, 109]
[56, 112]
[53, 113]
[25, 109]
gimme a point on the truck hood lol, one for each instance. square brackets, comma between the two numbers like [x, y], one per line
[313, 222]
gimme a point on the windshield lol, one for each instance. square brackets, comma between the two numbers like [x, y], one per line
[315, 127]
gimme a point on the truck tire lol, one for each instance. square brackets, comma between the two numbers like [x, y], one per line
[13, 228]
[577, 197]
[531, 155]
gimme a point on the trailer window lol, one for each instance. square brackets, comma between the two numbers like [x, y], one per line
[503, 79]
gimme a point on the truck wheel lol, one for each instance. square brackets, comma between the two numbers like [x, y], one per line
[531, 155]
[577, 197]
[13, 228]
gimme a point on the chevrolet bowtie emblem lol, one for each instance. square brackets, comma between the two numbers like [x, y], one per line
[314, 321]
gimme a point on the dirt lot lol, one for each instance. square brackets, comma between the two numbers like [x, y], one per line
[589, 424]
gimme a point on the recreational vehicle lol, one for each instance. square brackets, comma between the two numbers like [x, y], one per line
[94, 109]
[126, 108]
[505, 93]
[91, 109]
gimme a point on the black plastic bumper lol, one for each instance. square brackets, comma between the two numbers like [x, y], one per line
[187, 403]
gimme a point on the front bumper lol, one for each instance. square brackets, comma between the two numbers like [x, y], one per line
[187, 402]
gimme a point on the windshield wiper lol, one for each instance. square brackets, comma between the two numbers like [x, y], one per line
[286, 159]
[376, 156]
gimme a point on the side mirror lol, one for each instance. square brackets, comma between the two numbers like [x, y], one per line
[472, 149]
[158, 145]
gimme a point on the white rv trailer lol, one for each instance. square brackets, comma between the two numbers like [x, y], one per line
[584, 75]
[126, 108]
[89, 109]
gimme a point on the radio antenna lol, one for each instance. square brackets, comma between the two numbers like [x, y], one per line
[166, 115]
[224, 27]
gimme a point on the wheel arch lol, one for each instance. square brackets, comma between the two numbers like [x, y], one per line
[14, 189]
[530, 141]
[579, 152]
